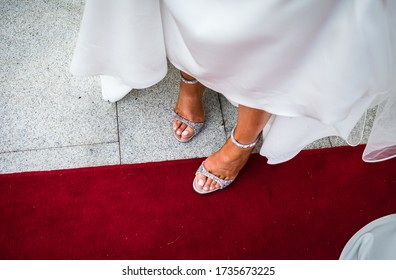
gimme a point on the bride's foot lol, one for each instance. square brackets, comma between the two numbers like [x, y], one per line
[189, 111]
[225, 165]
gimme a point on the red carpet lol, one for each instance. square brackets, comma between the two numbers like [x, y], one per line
[306, 208]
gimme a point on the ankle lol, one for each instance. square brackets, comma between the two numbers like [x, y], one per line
[188, 78]
[190, 84]
[191, 93]
[244, 139]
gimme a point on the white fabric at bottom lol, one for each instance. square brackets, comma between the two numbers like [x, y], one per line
[122, 40]
[316, 65]
[375, 241]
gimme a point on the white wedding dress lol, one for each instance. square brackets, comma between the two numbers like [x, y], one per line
[316, 65]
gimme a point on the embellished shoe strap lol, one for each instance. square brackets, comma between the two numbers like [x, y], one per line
[189, 82]
[196, 126]
[243, 146]
[223, 183]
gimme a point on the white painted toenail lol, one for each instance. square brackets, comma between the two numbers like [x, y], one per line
[178, 132]
[201, 182]
[185, 133]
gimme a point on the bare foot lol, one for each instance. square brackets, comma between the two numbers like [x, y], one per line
[189, 106]
[225, 164]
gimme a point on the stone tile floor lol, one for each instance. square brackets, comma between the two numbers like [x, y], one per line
[50, 119]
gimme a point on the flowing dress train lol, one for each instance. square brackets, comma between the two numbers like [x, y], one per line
[317, 66]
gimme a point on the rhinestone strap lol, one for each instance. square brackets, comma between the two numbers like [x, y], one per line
[197, 126]
[223, 183]
[247, 146]
[184, 80]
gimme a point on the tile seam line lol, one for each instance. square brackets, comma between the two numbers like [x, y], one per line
[222, 115]
[118, 134]
[58, 148]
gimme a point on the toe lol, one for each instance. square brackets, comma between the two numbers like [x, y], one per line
[200, 181]
[187, 133]
[214, 185]
[207, 185]
[175, 124]
[181, 128]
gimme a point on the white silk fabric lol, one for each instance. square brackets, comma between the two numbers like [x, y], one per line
[317, 66]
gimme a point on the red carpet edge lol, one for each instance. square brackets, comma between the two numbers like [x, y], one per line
[306, 208]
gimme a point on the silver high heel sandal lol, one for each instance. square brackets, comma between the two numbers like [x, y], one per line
[223, 183]
[196, 126]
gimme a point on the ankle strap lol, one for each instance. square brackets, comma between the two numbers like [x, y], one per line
[189, 82]
[243, 146]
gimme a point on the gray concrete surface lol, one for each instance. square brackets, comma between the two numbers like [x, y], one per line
[50, 119]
